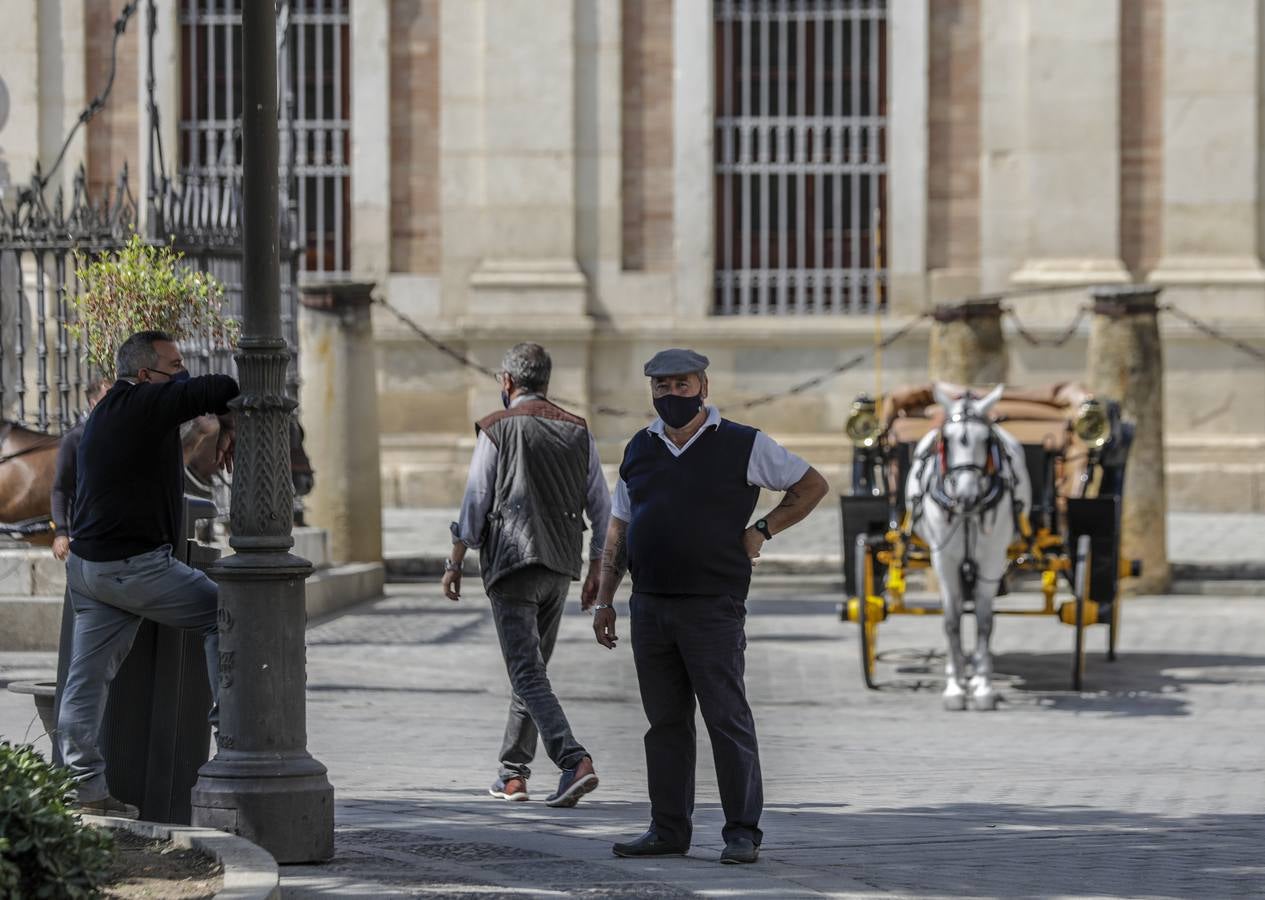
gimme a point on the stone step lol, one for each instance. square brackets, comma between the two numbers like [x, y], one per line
[33, 622]
[31, 572]
[29, 622]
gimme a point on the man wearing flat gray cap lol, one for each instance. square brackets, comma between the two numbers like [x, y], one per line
[687, 488]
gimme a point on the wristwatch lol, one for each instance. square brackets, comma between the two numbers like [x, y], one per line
[762, 526]
[450, 566]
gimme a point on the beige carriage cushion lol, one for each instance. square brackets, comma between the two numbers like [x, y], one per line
[1032, 415]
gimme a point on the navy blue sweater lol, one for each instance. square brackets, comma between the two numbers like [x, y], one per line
[689, 512]
[130, 469]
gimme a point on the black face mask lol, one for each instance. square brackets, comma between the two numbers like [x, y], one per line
[505, 399]
[676, 412]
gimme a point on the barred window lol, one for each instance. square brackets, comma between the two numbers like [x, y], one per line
[314, 103]
[800, 156]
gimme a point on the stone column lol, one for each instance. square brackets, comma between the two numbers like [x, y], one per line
[1072, 143]
[1003, 209]
[371, 140]
[967, 344]
[1212, 143]
[263, 784]
[338, 374]
[528, 159]
[692, 177]
[905, 231]
[1126, 363]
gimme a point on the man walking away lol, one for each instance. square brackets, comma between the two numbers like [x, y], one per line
[687, 489]
[127, 519]
[535, 469]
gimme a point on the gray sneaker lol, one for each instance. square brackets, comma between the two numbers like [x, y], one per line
[107, 806]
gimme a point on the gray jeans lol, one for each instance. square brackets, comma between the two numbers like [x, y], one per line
[527, 607]
[110, 599]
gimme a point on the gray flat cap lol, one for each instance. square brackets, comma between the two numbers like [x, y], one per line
[675, 362]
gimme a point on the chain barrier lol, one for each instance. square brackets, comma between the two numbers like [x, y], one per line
[615, 412]
[1063, 337]
[1060, 340]
[1213, 332]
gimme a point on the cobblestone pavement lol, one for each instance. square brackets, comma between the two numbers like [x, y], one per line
[1194, 539]
[1149, 784]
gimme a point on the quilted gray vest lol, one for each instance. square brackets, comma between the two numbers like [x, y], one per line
[541, 485]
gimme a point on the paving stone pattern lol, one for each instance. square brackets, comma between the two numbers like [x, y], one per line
[1149, 784]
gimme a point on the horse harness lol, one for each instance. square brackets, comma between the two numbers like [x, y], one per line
[7, 427]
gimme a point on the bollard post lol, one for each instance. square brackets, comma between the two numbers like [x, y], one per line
[340, 393]
[967, 344]
[1126, 363]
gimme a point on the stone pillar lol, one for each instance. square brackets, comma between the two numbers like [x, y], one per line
[1126, 363]
[1212, 143]
[263, 784]
[905, 231]
[528, 160]
[692, 162]
[371, 140]
[1003, 208]
[967, 344]
[338, 374]
[1071, 148]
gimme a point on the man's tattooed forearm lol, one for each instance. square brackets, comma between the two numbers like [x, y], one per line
[791, 498]
[615, 557]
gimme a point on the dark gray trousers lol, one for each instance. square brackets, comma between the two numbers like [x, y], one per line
[687, 647]
[527, 607]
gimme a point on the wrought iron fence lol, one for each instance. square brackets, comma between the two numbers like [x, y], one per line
[800, 155]
[45, 236]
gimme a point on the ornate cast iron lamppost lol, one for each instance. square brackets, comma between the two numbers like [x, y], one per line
[262, 783]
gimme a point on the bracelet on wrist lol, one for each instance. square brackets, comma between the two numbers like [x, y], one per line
[450, 566]
[603, 606]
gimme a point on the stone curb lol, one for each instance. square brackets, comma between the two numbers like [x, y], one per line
[250, 872]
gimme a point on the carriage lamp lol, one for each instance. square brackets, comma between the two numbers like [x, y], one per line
[863, 427]
[1091, 424]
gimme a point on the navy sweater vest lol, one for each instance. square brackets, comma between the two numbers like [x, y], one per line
[689, 512]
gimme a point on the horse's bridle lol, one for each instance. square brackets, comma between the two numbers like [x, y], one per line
[992, 472]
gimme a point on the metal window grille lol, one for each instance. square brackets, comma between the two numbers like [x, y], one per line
[800, 156]
[314, 80]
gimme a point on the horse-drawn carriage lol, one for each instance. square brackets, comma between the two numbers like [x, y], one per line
[988, 491]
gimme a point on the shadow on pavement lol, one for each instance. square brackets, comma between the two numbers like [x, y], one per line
[1136, 684]
[472, 848]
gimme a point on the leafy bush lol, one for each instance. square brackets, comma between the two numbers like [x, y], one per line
[142, 288]
[45, 851]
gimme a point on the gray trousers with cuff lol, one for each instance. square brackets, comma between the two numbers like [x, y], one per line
[110, 599]
[527, 607]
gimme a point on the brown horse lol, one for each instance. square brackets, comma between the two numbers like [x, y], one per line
[28, 465]
[28, 462]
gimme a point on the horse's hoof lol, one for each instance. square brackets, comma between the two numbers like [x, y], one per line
[954, 699]
[984, 701]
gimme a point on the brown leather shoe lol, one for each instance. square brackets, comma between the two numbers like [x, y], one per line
[509, 789]
[574, 784]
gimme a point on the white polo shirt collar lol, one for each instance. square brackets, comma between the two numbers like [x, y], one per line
[657, 427]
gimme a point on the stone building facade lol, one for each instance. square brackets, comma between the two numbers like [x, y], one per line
[591, 175]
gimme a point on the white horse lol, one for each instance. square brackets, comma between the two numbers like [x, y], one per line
[967, 491]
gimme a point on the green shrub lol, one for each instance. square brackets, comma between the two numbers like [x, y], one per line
[45, 850]
[141, 288]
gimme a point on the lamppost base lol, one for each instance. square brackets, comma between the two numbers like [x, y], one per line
[285, 806]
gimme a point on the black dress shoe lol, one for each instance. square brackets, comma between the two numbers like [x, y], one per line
[740, 850]
[649, 845]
